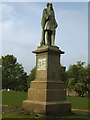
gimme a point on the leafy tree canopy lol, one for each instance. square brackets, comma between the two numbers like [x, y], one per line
[13, 75]
[77, 78]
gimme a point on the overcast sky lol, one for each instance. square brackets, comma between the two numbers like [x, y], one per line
[21, 31]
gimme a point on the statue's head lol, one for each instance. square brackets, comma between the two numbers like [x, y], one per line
[49, 5]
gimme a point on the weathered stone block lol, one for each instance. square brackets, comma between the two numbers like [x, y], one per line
[47, 94]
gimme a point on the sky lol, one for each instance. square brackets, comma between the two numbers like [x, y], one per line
[21, 31]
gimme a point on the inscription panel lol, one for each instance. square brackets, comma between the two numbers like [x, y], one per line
[41, 65]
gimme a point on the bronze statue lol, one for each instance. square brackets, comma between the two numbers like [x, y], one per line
[49, 26]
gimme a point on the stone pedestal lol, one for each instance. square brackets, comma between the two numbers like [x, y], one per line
[47, 94]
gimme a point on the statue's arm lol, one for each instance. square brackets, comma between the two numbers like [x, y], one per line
[56, 25]
[45, 17]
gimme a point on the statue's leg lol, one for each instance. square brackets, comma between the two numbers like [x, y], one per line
[53, 38]
[49, 37]
[46, 37]
[42, 38]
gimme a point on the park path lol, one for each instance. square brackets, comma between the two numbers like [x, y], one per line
[81, 110]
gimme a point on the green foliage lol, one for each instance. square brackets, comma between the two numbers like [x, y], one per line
[77, 78]
[88, 79]
[13, 75]
[32, 76]
[0, 61]
[0, 74]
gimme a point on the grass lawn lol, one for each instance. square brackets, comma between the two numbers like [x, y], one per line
[78, 102]
[13, 98]
[14, 101]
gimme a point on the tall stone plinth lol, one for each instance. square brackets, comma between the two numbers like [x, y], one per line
[47, 94]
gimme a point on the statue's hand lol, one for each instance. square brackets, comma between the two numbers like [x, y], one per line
[56, 25]
[48, 17]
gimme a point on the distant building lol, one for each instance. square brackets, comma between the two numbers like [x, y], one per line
[71, 92]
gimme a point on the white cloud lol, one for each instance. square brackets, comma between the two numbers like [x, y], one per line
[20, 43]
[7, 8]
[19, 40]
[16, 34]
[7, 12]
[15, 29]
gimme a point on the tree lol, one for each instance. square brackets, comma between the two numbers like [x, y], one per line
[77, 78]
[13, 75]
[0, 74]
[0, 61]
[88, 79]
[32, 76]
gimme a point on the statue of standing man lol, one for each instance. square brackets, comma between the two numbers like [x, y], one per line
[49, 26]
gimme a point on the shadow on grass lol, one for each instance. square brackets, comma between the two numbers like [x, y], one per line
[17, 113]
